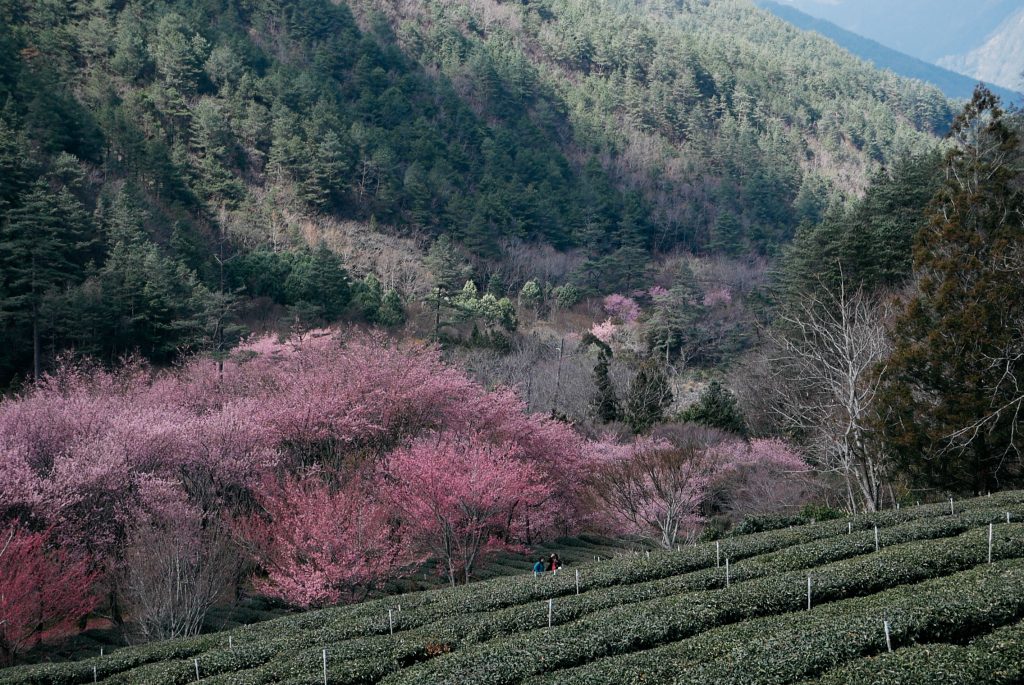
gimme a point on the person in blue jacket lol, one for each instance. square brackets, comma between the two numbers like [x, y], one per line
[538, 568]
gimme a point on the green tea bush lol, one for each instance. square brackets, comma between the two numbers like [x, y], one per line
[795, 646]
[647, 624]
[995, 659]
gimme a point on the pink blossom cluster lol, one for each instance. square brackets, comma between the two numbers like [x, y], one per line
[622, 309]
[718, 297]
[314, 431]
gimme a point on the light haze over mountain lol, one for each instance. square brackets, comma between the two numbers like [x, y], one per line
[984, 40]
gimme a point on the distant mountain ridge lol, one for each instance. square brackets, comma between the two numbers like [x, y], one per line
[999, 59]
[926, 29]
[955, 85]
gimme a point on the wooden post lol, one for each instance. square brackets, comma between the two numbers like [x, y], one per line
[325, 667]
[727, 571]
[990, 543]
[231, 644]
[196, 662]
[950, 506]
[577, 581]
[391, 622]
[876, 537]
[718, 554]
[808, 593]
[849, 527]
[888, 639]
[551, 607]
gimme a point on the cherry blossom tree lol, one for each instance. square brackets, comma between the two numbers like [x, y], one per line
[463, 498]
[43, 591]
[321, 544]
[654, 490]
[622, 309]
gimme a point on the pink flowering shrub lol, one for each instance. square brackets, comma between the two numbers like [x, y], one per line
[622, 309]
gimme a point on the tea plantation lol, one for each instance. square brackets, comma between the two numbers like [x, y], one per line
[918, 595]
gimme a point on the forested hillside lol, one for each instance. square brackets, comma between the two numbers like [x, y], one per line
[172, 172]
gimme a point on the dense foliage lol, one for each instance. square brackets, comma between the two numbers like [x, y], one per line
[165, 165]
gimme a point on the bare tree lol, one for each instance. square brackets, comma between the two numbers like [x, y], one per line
[175, 573]
[828, 364]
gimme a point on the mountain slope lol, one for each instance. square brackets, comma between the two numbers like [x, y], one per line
[1000, 59]
[955, 85]
[170, 162]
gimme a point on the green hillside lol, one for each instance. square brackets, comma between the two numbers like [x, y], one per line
[731, 611]
[166, 165]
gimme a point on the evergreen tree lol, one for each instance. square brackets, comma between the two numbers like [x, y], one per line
[957, 370]
[391, 313]
[716, 407]
[649, 397]
[671, 328]
[726, 234]
[605, 403]
[43, 242]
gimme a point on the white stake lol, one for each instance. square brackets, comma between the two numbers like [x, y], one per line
[950, 506]
[101, 651]
[577, 581]
[718, 554]
[325, 667]
[196, 662]
[94, 676]
[391, 621]
[551, 606]
[231, 644]
[648, 554]
[888, 640]
[876, 538]
[849, 527]
[897, 506]
[727, 571]
[1007, 517]
[808, 593]
[990, 543]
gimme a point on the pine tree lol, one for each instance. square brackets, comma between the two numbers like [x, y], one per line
[43, 243]
[726, 235]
